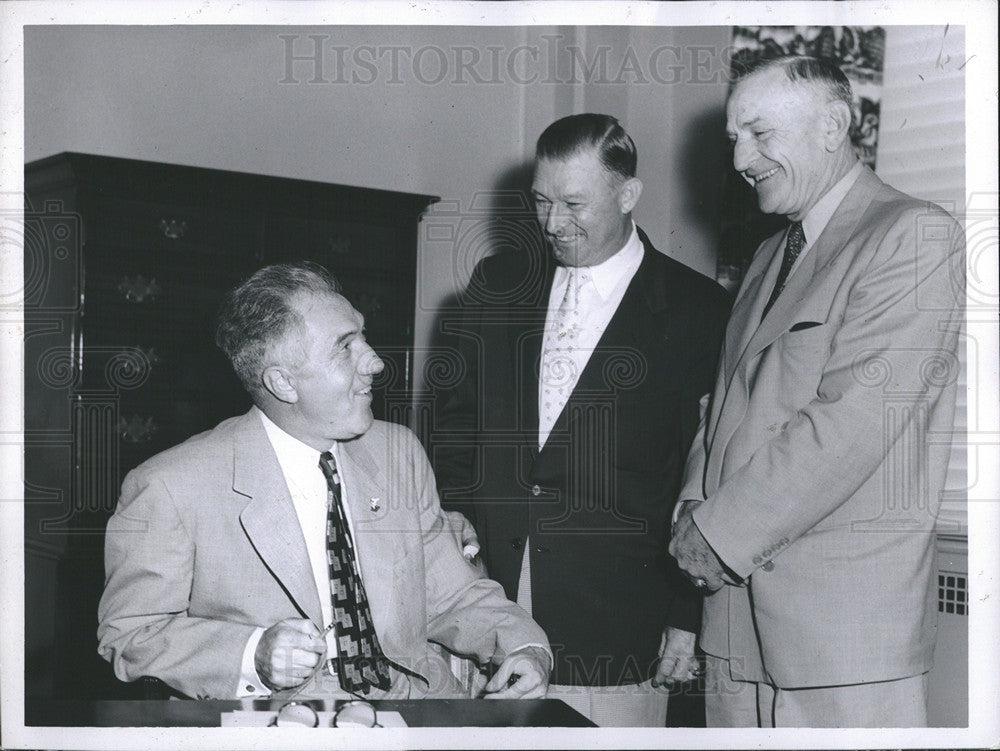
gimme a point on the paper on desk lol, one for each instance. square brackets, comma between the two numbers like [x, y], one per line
[243, 718]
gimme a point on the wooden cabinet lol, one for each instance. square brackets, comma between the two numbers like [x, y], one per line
[125, 265]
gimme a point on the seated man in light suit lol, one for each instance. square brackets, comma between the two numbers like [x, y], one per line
[301, 547]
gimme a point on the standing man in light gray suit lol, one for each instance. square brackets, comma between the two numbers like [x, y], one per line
[227, 572]
[811, 491]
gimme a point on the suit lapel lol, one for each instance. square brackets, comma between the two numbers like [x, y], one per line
[745, 316]
[644, 296]
[744, 321]
[526, 336]
[269, 520]
[367, 497]
[832, 240]
[745, 329]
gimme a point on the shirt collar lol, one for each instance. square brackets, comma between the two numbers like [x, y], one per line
[607, 274]
[819, 215]
[296, 458]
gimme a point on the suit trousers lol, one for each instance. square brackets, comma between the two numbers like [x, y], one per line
[628, 706]
[898, 703]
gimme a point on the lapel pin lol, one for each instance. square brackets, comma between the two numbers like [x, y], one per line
[373, 503]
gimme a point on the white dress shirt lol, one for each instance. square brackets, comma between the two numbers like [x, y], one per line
[608, 281]
[819, 215]
[307, 487]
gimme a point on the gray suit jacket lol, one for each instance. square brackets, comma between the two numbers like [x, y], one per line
[825, 446]
[205, 546]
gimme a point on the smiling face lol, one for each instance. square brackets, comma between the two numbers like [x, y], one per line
[583, 208]
[327, 367]
[782, 142]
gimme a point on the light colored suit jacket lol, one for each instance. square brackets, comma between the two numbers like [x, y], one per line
[205, 546]
[825, 445]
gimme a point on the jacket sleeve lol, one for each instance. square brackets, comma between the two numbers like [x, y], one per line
[693, 485]
[713, 313]
[902, 306]
[456, 389]
[466, 613]
[144, 627]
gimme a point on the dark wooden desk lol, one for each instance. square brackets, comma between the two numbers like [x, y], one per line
[416, 713]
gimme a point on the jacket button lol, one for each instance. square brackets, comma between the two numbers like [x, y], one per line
[517, 543]
[536, 490]
[769, 566]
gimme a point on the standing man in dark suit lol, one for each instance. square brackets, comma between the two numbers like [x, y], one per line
[564, 441]
[811, 494]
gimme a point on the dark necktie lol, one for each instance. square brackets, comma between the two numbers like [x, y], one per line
[361, 662]
[794, 241]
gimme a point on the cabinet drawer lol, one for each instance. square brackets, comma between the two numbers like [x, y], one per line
[339, 244]
[173, 233]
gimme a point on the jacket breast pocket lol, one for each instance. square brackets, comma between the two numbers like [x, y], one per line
[803, 325]
[800, 358]
[808, 334]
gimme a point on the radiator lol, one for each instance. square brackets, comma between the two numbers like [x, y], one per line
[948, 699]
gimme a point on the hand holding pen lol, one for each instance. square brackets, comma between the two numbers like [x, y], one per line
[289, 652]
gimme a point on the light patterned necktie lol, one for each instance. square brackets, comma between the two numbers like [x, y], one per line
[794, 242]
[361, 662]
[558, 369]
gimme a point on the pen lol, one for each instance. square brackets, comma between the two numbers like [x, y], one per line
[319, 665]
[336, 659]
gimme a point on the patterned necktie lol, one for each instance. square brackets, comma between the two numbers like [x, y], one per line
[558, 370]
[794, 242]
[361, 663]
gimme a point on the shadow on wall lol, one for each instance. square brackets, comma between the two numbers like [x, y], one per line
[720, 200]
[704, 163]
[498, 220]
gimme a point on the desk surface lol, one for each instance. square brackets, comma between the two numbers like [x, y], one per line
[416, 713]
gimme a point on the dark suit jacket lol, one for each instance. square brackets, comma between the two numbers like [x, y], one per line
[596, 501]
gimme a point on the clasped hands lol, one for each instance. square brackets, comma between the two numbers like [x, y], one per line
[695, 556]
[290, 651]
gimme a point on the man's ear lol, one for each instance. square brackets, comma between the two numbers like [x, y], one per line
[836, 124]
[628, 194]
[280, 383]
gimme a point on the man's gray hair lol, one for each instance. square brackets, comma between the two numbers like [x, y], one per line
[817, 71]
[257, 315]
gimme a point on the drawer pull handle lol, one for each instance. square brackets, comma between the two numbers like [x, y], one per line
[150, 354]
[140, 289]
[173, 229]
[135, 429]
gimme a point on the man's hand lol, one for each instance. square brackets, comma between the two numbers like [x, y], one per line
[677, 660]
[694, 555]
[531, 665]
[288, 653]
[466, 537]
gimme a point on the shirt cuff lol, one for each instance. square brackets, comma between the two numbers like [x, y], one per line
[677, 510]
[544, 647]
[250, 685]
